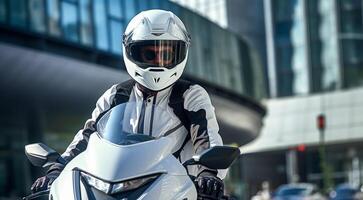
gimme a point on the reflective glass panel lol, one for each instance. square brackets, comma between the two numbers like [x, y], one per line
[155, 4]
[323, 45]
[2, 10]
[351, 16]
[115, 8]
[37, 18]
[165, 4]
[291, 58]
[283, 24]
[175, 8]
[101, 24]
[86, 24]
[116, 36]
[53, 17]
[351, 25]
[69, 21]
[143, 5]
[352, 62]
[18, 12]
[299, 59]
[130, 9]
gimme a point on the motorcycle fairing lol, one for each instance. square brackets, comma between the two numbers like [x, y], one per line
[117, 163]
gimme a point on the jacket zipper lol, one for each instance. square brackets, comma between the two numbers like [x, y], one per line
[140, 128]
[152, 115]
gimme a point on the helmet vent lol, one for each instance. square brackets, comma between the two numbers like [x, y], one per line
[156, 80]
[157, 34]
[173, 75]
[156, 70]
[137, 74]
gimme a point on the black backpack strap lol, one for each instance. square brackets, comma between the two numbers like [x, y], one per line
[124, 90]
[122, 95]
[176, 102]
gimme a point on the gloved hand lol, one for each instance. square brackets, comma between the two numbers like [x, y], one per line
[44, 182]
[209, 186]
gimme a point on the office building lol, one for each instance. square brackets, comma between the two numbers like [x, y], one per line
[314, 67]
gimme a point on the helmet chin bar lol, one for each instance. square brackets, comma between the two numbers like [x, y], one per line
[156, 80]
[148, 91]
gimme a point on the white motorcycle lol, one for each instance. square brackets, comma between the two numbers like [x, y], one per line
[122, 164]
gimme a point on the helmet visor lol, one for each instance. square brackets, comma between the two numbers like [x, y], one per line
[157, 53]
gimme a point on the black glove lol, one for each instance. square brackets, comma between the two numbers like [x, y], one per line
[44, 182]
[209, 186]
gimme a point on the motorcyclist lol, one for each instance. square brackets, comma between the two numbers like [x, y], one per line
[155, 52]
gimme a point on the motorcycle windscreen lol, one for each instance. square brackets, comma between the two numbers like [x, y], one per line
[134, 122]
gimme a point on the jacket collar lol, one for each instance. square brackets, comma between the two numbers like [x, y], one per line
[145, 92]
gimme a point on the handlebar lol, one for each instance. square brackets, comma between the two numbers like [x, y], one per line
[36, 195]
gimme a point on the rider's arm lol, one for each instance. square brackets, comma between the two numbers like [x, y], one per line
[204, 127]
[80, 141]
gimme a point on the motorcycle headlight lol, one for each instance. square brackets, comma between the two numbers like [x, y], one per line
[96, 183]
[131, 184]
[110, 188]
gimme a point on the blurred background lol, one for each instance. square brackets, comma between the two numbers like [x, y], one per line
[285, 76]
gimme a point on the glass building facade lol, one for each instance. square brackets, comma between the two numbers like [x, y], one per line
[93, 23]
[314, 47]
[350, 30]
[215, 10]
[216, 55]
[317, 45]
[289, 37]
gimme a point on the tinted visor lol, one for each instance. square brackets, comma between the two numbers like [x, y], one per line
[157, 53]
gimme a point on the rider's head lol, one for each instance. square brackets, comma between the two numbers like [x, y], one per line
[155, 48]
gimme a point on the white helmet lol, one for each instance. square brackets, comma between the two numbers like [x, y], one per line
[155, 48]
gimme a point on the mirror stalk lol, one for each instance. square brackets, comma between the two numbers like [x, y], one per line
[190, 162]
[217, 157]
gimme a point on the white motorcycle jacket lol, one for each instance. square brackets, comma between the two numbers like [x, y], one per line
[194, 127]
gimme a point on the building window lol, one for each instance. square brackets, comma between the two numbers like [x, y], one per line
[99, 12]
[290, 41]
[69, 21]
[351, 40]
[323, 45]
[116, 36]
[37, 18]
[165, 4]
[130, 9]
[352, 61]
[155, 4]
[115, 8]
[351, 16]
[3, 10]
[18, 13]
[143, 5]
[86, 26]
[175, 8]
[53, 17]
